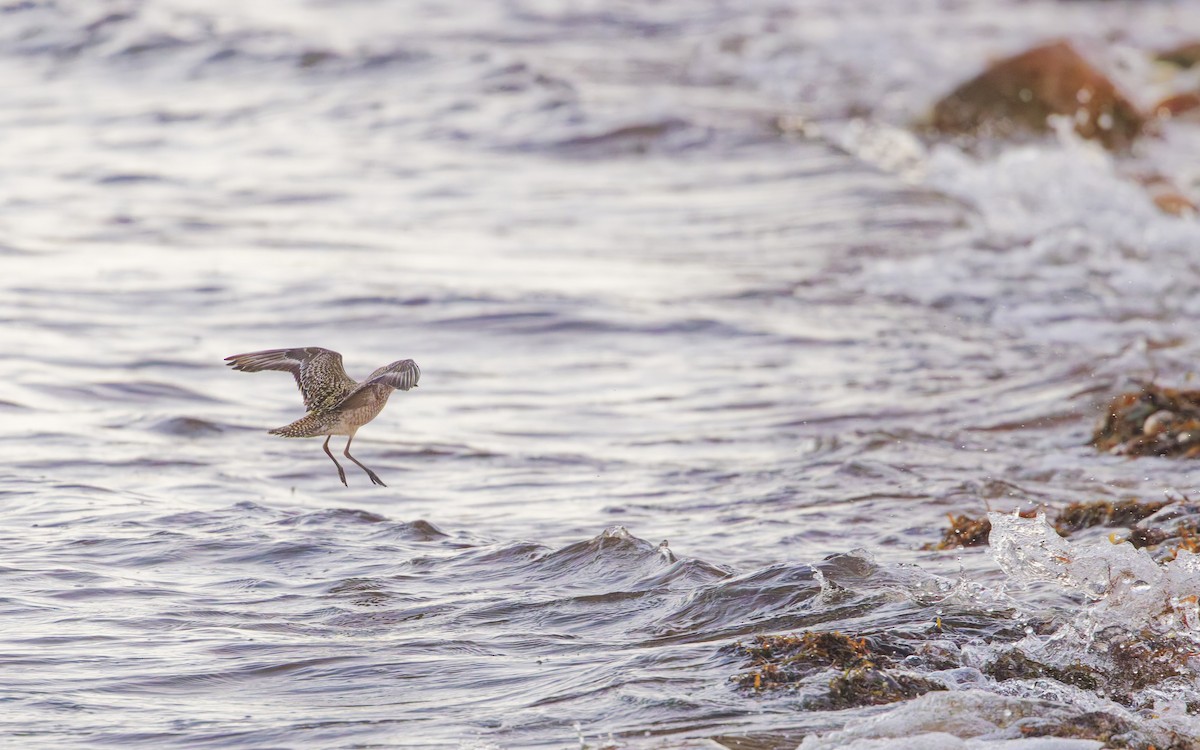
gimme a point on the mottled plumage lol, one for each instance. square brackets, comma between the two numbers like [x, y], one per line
[337, 404]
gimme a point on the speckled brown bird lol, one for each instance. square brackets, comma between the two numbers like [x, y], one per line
[337, 404]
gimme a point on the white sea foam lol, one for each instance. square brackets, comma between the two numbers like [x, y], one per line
[1044, 211]
[1124, 586]
[962, 720]
[1127, 601]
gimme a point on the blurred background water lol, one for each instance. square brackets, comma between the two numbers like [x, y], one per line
[643, 311]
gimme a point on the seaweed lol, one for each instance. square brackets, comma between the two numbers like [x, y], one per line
[1148, 658]
[1094, 725]
[1152, 421]
[785, 659]
[866, 679]
[1077, 516]
[1113, 731]
[1136, 661]
[964, 531]
[1014, 665]
[1188, 533]
[868, 685]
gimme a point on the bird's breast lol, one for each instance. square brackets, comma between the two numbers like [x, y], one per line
[351, 419]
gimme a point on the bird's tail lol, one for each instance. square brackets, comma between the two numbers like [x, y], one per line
[310, 425]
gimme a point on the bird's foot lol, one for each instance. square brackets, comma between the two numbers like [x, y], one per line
[375, 478]
[342, 476]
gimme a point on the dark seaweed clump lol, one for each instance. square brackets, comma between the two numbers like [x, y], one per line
[1113, 731]
[1152, 421]
[867, 676]
[1078, 516]
[1135, 662]
[968, 531]
[1014, 665]
[964, 531]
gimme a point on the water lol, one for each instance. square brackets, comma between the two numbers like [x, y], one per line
[641, 314]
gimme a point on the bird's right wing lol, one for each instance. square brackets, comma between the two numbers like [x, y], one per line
[402, 375]
[319, 372]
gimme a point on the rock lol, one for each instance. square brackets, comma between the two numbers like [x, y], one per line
[1158, 421]
[1021, 92]
[1175, 204]
[1169, 199]
[1178, 105]
[1123, 426]
[1184, 56]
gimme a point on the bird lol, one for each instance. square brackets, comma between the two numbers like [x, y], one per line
[337, 404]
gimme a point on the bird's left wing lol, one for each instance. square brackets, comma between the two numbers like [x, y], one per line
[319, 373]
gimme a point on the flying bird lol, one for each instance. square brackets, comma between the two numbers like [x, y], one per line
[337, 404]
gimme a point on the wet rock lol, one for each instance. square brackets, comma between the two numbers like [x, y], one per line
[965, 531]
[1014, 665]
[1147, 658]
[1126, 513]
[1183, 56]
[1169, 198]
[1021, 92]
[1186, 537]
[867, 676]
[1178, 105]
[1123, 429]
[784, 659]
[870, 686]
[1095, 725]
[1113, 731]
[1158, 421]
[1174, 203]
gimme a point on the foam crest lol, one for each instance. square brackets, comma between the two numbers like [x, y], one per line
[1125, 586]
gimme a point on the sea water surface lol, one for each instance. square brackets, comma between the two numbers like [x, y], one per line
[688, 376]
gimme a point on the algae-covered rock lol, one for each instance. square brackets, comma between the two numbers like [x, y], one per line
[1126, 513]
[1015, 665]
[870, 686]
[1153, 421]
[1021, 92]
[866, 678]
[1178, 105]
[1166, 195]
[783, 659]
[967, 531]
[964, 531]
[1183, 56]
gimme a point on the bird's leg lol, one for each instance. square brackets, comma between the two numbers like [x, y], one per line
[371, 474]
[341, 474]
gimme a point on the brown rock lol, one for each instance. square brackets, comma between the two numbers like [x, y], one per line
[1185, 56]
[1180, 104]
[1122, 428]
[1019, 93]
[1170, 200]
[1175, 204]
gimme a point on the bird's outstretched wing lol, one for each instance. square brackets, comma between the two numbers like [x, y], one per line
[319, 373]
[402, 375]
